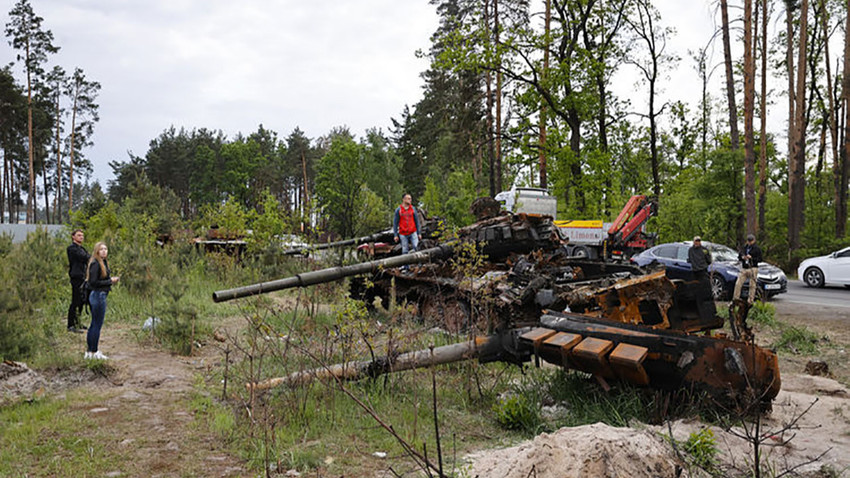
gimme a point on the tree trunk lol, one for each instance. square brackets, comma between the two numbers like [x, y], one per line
[840, 167]
[57, 198]
[71, 148]
[730, 80]
[46, 198]
[31, 192]
[763, 114]
[305, 201]
[3, 189]
[574, 122]
[797, 160]
[543, 75]
[749, 108]
[653, 139]
[498, 100]
[488, 82]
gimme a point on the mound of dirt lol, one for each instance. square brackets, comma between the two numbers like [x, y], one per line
[596, 450]
[18, 381]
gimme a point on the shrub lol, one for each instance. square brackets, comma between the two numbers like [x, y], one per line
[517, 412]
[798, 340]
[702, 448]
[763, 313]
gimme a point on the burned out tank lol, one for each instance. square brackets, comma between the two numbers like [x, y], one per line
[507, 277]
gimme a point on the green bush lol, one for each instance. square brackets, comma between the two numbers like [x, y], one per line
[517, 412]
[702, 448]
[762, 313]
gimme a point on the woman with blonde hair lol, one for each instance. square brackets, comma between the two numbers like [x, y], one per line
[99, 283]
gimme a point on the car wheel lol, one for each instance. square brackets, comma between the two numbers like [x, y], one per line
[813, 277]
[718, 287]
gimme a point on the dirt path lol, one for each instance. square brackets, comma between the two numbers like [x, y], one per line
[146, 411]
[137, 412]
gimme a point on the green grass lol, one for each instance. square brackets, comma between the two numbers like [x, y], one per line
[50, 438]
[798, 340]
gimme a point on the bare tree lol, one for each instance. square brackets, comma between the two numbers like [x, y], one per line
[655, 40]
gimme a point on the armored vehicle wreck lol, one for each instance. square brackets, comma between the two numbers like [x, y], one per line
[508, 280]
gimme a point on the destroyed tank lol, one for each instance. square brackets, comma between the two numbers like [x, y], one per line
[507, 279]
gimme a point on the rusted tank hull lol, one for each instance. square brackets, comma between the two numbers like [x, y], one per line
[662, 359]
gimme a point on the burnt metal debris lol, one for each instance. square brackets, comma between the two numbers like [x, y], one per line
[528, 300]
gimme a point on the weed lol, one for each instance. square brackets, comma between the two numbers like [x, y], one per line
[702, 448]
[763, 313]
[798, 340]
[517, 412]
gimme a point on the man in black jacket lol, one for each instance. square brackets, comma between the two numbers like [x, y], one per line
[78, 259]
[750, 255]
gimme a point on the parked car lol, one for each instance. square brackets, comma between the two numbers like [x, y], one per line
[829, 269]
[723, 270]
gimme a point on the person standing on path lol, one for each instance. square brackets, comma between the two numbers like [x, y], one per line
[100, 283]
[750, 255]
[78, 258]
[406, 225]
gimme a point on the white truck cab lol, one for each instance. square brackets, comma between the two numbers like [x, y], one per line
[534, 201]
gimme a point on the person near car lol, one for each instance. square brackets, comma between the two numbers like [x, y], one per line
[699, 258]
[406, 225]
[78, 258]
[750, 255]
[100, 283]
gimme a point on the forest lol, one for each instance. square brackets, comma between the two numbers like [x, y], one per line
[518, 93]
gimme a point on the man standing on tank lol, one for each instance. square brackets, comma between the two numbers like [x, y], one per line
[78, 259]
[406, 226]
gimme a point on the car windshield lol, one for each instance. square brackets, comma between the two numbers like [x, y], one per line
[722, 253]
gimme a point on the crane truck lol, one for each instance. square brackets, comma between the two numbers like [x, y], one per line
[621, 239]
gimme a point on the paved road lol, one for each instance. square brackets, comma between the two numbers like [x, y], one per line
[833, 296]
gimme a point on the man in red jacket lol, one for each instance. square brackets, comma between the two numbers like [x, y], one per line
[406, 225]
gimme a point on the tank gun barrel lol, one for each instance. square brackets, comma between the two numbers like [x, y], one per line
[355, 241]
[335, 273]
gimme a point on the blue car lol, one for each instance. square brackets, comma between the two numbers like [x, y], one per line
[723, 271]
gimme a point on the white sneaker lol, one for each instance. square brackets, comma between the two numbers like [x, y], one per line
[99, 356]
[87, 356]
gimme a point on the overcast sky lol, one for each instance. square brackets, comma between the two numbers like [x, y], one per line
[231, 66]
[222, 64]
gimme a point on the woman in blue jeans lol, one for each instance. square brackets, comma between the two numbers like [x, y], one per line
[100, 283]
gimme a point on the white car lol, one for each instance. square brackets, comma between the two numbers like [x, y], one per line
[829, 269]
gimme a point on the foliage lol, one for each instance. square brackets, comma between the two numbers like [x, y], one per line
[339, 179]
[34, 277]
[517, 412]
[702, 450]
[798, 340]
[450, 197]
[762, 312]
